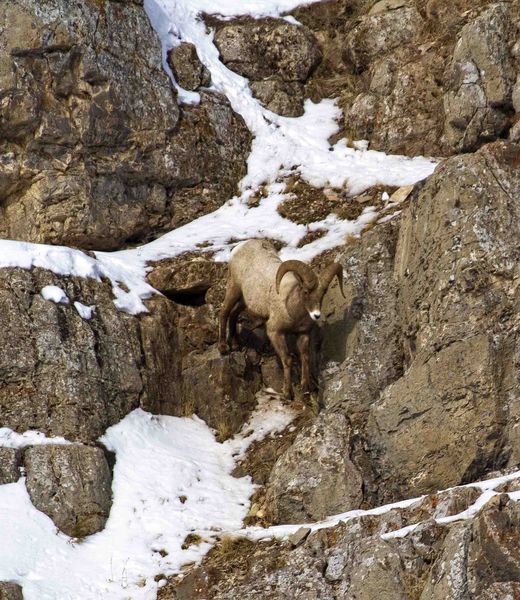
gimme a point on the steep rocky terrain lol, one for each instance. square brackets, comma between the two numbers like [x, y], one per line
[95, 149]
[418, 368]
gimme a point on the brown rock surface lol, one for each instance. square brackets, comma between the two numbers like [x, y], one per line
[277, 56]
[10, 591]
[315, 477]
[96, 152]
[72, 485]
[186, 67]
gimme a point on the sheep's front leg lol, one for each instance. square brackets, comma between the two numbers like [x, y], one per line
[303, 344]
[280, 345]
[233, 296]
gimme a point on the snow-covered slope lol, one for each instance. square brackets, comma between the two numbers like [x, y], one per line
[171, 479]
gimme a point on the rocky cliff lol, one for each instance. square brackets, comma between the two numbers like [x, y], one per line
[418, 368]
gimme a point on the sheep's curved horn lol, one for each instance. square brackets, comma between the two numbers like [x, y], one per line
[302, 271]
[328, 274]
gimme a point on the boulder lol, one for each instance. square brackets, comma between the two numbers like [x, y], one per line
[277, 56]
[381, 32]
[186, 67]
[71, 484]
[315, 477]
[479, 80]
[263, 48]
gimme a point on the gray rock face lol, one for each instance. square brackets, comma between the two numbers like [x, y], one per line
[10, 591]
[93, 152]
[480, 80]
[210, 146]
[187, 69]
[315, 476]
[220, 389]
[361, 560]
[456, 264]
[380, 32]
[71, 484]
[61, 374]
[361, 336]
[10, 462]
[276, 55]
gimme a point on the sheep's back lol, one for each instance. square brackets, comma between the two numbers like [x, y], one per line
[253, 267]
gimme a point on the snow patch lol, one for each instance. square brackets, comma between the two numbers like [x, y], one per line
[54, 294]
[171, 479]
[11, 439]
[85, 312]
[270, 416]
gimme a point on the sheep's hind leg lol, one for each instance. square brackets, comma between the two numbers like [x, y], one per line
[232, 298]
[233, 318]
[280, 346]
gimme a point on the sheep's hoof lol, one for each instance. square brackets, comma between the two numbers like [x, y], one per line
[287, 395]
[223, 347]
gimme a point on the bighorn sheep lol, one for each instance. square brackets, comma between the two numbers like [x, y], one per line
[286, 295]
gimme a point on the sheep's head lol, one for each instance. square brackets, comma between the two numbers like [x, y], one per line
[312, 288]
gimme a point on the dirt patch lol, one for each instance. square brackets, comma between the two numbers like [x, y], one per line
[308, 204]
[228, 564]
[311, 236]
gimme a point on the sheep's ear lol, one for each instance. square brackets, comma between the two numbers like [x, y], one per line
[328, 274]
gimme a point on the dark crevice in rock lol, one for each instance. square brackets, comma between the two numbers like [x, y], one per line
[194, 296]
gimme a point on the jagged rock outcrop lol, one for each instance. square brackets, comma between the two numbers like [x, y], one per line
[371, 556]
[315, 477]
[71, 484]
[278, 57]
[95, 150]
[186, 67]
[419, 77]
